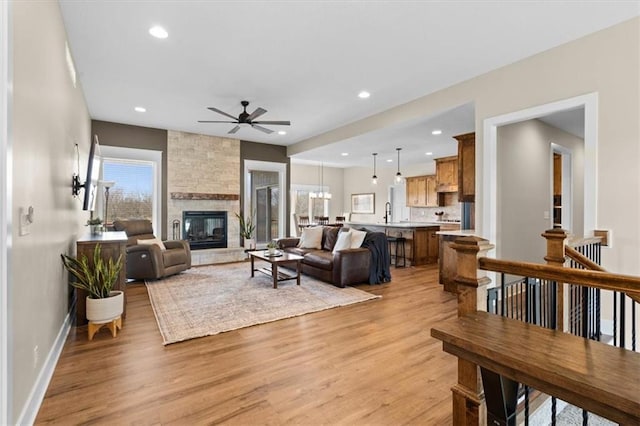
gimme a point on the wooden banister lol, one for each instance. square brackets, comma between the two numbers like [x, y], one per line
[600, 378]
[604, 280]
[581, 259]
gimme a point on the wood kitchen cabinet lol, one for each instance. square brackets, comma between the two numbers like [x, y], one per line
[416, 191]
[447, 174]
[421, 191]
[424, 247]
[466, 167]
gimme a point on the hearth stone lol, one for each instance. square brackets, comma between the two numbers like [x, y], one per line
[213, 256]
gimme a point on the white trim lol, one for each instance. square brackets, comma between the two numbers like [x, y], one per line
[488, 159]
[268, 166]
[39, 389]
[142, 155]
[6, 94]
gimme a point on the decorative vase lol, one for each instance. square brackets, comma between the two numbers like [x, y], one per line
[249, 243]
[95, 229]
[271, 250]
[100, 311]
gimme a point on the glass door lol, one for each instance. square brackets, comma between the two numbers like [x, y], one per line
[267, 207]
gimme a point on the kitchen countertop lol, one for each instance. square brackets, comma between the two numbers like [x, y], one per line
[460, 233]
[409, 225]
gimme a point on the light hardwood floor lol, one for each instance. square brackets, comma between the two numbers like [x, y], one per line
[372, 363]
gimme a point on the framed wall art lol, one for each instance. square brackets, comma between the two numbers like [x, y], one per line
[363, 203]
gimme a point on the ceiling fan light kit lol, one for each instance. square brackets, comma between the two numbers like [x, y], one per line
[246, 118]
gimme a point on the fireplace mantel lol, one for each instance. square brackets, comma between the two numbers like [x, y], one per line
[203, 196]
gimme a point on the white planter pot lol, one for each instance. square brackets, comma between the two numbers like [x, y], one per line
[105, 310]
[249, 243]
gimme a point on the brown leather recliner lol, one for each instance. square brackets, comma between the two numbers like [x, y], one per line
[150, 261]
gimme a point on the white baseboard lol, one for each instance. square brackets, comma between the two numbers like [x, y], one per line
[32, 406]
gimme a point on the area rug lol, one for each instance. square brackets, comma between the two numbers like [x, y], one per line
[208, 300]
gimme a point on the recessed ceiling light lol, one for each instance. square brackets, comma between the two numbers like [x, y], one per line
[282, 132]
[390, 160]
[364, 94]
[429, 153]
[344, 154]
[436, 132]
[158, 32]
[140, 109]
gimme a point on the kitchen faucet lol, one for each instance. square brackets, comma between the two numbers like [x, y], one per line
[387, 212]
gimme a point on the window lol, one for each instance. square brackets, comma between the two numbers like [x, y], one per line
[137, 178]
[131, 197]
[303, 205]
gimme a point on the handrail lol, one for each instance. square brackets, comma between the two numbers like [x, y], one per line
[598, 279]
[582, 260]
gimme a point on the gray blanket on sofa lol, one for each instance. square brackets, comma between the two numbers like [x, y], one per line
[379, 270]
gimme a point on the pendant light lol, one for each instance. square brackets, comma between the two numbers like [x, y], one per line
[398, 175]
[321, 194]
[374, 179]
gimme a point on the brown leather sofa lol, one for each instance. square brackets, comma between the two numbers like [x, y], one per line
[150, 261]
[350, 266]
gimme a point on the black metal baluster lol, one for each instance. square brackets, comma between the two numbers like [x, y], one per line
[615, 319]
[553, 411]
[623, 330]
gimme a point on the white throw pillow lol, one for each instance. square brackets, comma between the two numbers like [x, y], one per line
[357, 238]
[153, 241]
[344, 241]
[311, 238]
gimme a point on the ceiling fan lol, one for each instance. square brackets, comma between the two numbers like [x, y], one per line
[246, 118]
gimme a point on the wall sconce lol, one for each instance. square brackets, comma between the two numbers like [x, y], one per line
[374, 179]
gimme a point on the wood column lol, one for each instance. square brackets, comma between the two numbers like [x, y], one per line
[468, 397]
[555, 256]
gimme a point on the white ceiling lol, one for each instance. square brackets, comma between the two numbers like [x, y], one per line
[306, 61]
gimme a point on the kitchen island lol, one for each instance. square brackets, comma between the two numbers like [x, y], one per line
[447, 261]
[421, 240]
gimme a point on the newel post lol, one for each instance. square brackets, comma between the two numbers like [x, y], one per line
[468, 397]
[556, 239]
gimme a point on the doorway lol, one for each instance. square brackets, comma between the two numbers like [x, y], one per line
[488, 203]
[264, 198]
[561, 199]
[267, 205]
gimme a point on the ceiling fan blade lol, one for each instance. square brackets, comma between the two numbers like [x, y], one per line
[275, 123]
[222, 112]
[209, 121]
[235, 129]
[262, 129]
[257, 113]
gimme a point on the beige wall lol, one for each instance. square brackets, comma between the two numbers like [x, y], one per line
[524, 175]
[606, 62]
[49, 116]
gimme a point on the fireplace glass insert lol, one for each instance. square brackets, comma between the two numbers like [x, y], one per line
[205, 229]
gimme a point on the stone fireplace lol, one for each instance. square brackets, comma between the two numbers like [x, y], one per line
[203, 175]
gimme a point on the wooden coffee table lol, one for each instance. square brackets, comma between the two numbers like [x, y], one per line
[277, 275]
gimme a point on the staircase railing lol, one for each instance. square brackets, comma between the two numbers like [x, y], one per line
[586, 375]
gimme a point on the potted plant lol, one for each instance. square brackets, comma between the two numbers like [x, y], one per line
[272, 247]
[247, 227]
[97, 280]
[95, 225]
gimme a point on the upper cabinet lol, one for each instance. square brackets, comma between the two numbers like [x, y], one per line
[466, 167]
[421, 191]
[447, 174]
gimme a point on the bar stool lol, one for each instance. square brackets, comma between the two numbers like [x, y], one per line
[399, 242]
